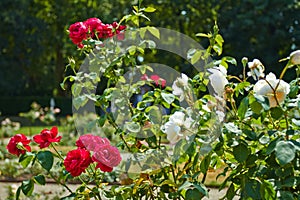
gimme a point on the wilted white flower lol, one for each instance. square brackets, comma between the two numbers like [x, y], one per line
[295, 57]
[180, 85]
[179, 126]
[272, 88]
[218, 79]
[256, 69]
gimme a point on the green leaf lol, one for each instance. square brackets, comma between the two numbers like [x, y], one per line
[154, 31]
[142, 32]
[230, 192]
[267, 190]
[243, 107]
[193, 194]
[219, 39]
[169, 98]
[25, 159]
[149, 9]
[196, 57]
[102, 120]
[231, 60]
[133, 127]
[264, 101]
[271, 147]
[201, 188]
[285, 152]
[204, 165]
[40, 179]
[286, 195]
[218, 49]
[185, 185]
[46, 159]
[276, 112]
[296, 122]
[241, 152]
[231, 127]
[264, 139]
[256, 107]
[79, 101]
[203, 35]
[154, 114]
[18, 192]
[27, 187]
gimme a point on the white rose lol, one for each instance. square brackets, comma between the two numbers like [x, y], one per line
[256, 69]
[295, 57]
[218, 79]
[266, 88]
[180, 85]
[177, 127]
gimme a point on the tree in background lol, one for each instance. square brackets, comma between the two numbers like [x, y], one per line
[34, 44]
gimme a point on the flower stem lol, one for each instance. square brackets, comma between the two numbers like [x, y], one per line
[58, 154]
[60, 183]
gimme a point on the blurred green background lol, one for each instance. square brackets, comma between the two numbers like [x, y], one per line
[34, 44]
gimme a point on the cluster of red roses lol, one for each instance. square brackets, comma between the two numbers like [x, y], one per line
[19, 143]
[94, 28]
[105, 155]
[76, 161]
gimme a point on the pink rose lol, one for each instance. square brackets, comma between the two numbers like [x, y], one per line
[91, 142]
[144, 77]
[78, 32]
[107, 157]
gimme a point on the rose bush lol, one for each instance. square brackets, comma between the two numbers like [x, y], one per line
[180, 129]
[93, 152]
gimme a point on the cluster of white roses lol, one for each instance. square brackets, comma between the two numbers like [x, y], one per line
[180, 124]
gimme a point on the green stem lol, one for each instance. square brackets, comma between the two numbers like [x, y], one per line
[58, 154]
[60, 183]
[283, 71]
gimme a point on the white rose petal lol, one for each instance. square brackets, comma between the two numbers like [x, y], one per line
[180, 85]
[267, 87]
[218, 79]
[295, 57]
[178, 127]
[256, 69]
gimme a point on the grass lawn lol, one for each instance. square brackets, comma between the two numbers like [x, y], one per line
[33, 130]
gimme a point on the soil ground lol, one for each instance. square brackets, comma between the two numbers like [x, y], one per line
[50, 191]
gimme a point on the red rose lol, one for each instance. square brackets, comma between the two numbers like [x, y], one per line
[77, 161]
[105, 31]
[91, 142]
[118, 27]
[78, 32]
[46, 137]
[158, 81]
[18, 144]
[92, 24]
[118, 30]
[107, 157]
